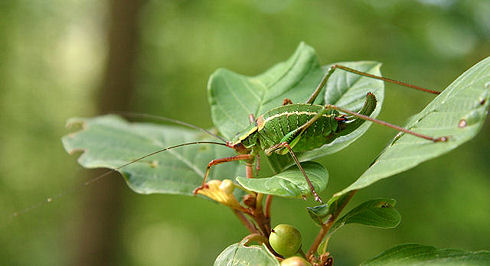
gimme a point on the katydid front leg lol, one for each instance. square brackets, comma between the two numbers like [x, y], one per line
[240, 157]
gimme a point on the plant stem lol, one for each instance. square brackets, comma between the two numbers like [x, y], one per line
[261, 222]
[258, 201]
[268, 202]
[249, 170]
[254, 237]
[257, 213]
[318, 239]
[328, 224]
[250, 226]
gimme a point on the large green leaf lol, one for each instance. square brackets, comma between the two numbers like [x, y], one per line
[290, 183]
[233, 96]
[458, 112]
[414, 254]
[379, 213]
[238, 254]
[109, 142]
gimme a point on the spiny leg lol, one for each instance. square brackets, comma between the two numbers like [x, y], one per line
[240, 157]
[348, 69]
[286, 145]
[380, 122]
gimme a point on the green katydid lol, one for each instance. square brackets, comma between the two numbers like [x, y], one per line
[290, 128]
[302, 127]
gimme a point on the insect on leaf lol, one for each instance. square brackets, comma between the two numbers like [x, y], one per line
[458, 112]
[414, 254]
[109, 142]
[290, 183]
[233, 96]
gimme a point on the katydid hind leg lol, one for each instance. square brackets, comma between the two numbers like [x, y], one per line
[367, 109]
[332, 69]
[404, 84]
[383, 123]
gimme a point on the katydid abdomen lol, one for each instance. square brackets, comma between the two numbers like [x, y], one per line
[302, 126]
[274, 125]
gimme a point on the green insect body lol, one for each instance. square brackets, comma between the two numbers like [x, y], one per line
[293, 124]
[284, 124]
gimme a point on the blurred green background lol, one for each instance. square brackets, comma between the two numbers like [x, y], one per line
[54, 61]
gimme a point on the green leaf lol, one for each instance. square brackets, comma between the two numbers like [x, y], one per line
[458, 112]
[238, 254]
[379, 213]
[290, 183]
[233, 96]
[414, 254]
[109, 142]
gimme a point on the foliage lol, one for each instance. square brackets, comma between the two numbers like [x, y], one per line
[457, 114]
[109, 141]
[53, 60]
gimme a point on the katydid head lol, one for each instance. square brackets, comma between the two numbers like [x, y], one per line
[245, 140]
[238, 147]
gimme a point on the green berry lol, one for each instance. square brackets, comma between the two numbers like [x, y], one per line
[285, 239]
[295, 261]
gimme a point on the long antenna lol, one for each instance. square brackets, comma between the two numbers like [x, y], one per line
[161, 150]
[99, 177]
[175, 121]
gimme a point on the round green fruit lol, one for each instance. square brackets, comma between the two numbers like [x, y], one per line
[285, 239]
[295, 261]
